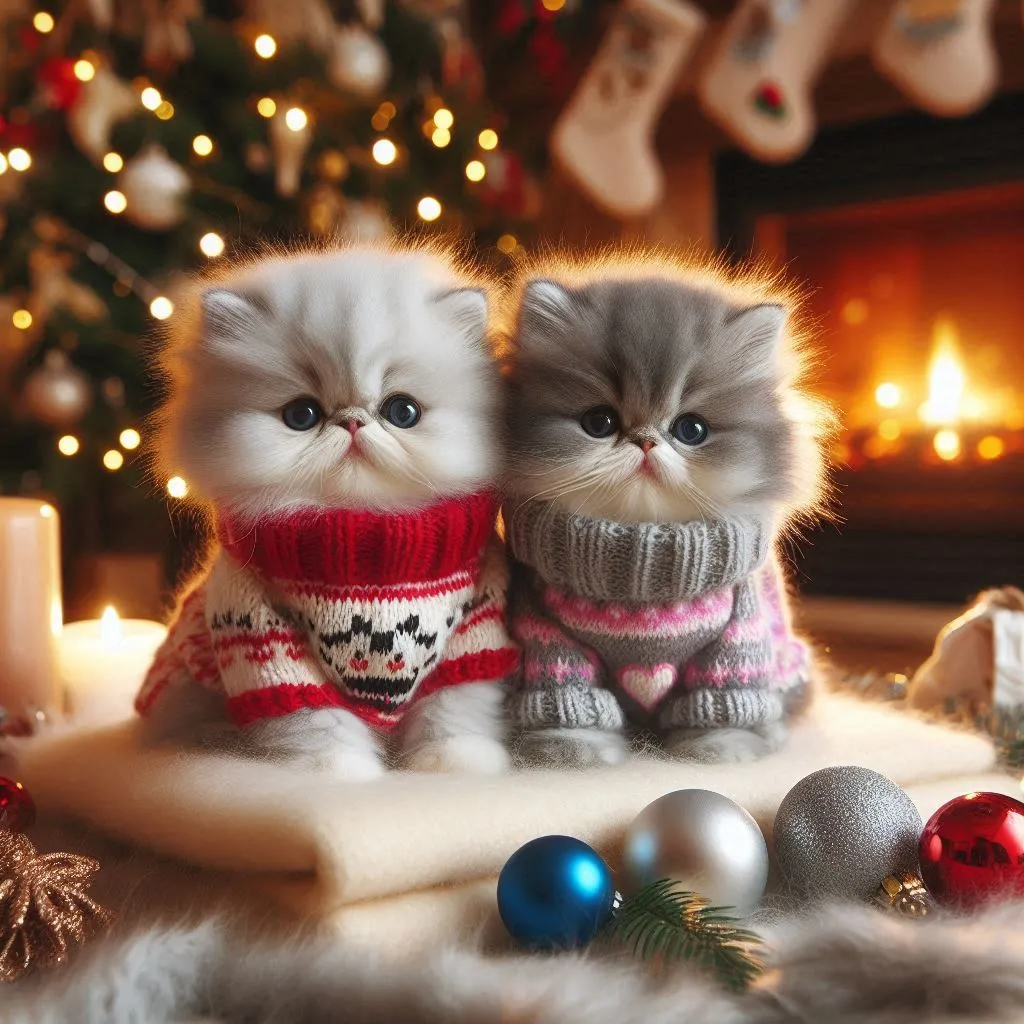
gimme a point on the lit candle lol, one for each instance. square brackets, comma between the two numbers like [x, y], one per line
[103, 662]
[30, 605]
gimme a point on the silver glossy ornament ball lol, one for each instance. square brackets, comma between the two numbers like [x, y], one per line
[840, 831]
[703, 840]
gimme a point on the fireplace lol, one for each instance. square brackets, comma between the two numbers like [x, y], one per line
[910, 237]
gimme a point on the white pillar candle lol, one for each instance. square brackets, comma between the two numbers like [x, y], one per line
[30, 604]
[103, 662]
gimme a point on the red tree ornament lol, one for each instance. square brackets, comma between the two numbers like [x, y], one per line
[17, 808]
[972, 850]
[58, 83]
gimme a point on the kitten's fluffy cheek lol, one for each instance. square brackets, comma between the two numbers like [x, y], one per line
[726, 481]
[253, 450]
[458, 445]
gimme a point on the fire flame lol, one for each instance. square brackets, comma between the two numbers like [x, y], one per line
[947, 381]
[110, 627]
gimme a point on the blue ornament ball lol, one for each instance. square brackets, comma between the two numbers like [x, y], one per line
[555, 893]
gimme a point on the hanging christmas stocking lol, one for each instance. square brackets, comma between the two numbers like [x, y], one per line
[604, 137]
[759, 80]
[940, 53]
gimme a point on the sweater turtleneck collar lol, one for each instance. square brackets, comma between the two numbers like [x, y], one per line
[361, 547]
[634, 562]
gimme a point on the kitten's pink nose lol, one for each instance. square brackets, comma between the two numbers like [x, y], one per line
[351, 424]
[645, 443]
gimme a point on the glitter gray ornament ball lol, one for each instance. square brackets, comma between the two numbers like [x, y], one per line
[703, 840]
[841, 830]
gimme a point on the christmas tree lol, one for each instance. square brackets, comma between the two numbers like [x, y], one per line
[141, 141]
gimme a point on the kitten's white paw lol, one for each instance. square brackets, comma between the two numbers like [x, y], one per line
[718, 746]
[477, 755]
[573, 748]
[350, 766]
[328, 741]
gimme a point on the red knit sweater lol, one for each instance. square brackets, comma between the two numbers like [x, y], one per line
[342, 608]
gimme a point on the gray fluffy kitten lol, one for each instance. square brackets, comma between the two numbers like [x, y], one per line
[347, 328]
[644, 344]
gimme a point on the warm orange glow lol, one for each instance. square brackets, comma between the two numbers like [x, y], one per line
[947, 445]
[841, 453]
[877, 448]
[947, 381]
[888, 395]
[855, 312]
[889, 430]
[991, 447]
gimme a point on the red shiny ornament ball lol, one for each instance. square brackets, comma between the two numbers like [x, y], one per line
[58, 82]
[972, 850]
[17, 808]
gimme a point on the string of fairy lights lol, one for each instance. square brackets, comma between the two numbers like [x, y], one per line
[385, 153]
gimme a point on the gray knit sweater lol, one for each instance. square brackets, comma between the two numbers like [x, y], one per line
[661, 625]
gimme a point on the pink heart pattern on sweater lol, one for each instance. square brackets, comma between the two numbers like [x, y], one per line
[648, 685]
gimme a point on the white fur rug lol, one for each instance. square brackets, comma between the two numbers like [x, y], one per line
[845, 966]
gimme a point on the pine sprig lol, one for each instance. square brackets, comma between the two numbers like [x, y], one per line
[666, 922]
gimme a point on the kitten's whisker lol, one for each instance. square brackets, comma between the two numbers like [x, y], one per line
[563, 488]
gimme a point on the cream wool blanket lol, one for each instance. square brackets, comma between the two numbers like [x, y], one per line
[412, 859]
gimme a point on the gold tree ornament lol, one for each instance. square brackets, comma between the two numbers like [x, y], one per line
[904, 894]
[45, 909]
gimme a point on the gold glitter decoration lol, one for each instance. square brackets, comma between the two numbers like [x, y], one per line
[904, 894]
[44, 907]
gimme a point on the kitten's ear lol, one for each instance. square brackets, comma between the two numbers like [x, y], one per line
[229, 314]
[546, 306]
[467, 309]
[759, 330]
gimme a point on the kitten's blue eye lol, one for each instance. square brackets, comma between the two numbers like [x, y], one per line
[402, 411]
[690, 429]
[302, 413]
[602, 421]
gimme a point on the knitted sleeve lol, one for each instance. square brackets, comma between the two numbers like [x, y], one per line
[480, 649]
[184, 658]
[748, 674]
[563, 682]
[266, 665]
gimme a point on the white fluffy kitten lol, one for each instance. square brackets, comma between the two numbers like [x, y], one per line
[348, 328]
